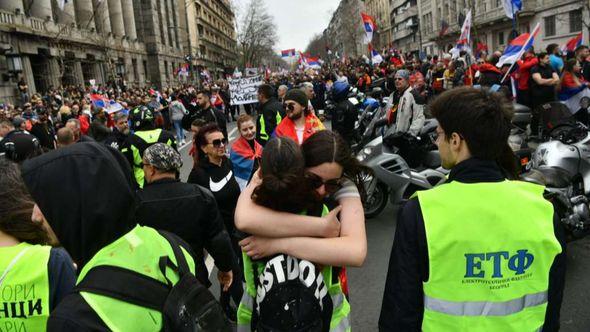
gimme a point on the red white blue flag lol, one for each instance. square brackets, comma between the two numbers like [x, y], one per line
[288, 53]
[573, 43]
[370, 27]
[518, 46]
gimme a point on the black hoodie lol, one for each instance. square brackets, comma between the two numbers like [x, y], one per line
[84, 191]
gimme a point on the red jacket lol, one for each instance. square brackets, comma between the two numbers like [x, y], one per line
[287, 128]
[524, 71]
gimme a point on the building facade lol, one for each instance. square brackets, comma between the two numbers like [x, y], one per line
[131, 42]
[379, 9]
[344, 33]
[559, 21]
[404, 25]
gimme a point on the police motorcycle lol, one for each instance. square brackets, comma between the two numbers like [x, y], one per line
[562, 165]
[396, 178]
[519, 139]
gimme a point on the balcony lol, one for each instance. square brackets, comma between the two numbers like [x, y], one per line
[397, 3]
[412, 11]
[400, 34]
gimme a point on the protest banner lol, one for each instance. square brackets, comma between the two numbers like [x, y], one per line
[244, 90]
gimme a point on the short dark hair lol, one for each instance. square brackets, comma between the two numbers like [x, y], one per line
[201, 139]
[266, 90]
[205, 93]
[542, 55]
[551, 48]
[480, 117]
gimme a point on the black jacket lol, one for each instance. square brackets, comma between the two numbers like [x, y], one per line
[189, 211]
[116, 139]
[45, 133]
[214, 115]
[344, 117]
[269, 112]
[403, 305]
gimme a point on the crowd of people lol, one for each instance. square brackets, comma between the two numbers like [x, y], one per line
[94, 215]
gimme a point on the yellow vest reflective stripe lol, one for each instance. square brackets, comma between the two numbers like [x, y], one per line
[340, 321]
[490, 249]
[149, 137]
[24, 287]
[139, 251]
[263, 134]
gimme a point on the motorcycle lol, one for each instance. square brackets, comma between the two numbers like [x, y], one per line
[392, 178]
[562, 165]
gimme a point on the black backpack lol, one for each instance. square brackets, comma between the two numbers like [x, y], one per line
[185, 306]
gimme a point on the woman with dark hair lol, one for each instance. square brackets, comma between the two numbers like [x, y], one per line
[215, 172]
[26, 258]
[336, 176]
[310, 298]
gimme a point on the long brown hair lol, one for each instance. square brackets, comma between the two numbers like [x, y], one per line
[284, 187]
[16, 207]
[326, 146]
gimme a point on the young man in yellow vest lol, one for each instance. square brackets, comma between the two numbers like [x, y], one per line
[481, 252]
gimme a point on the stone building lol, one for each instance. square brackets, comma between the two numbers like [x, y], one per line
[136, 42]
[345, 30]
[379, 9]
[559, 20]
[404, 25]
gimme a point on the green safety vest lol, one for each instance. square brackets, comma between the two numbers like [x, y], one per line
[143, 140]
[24, 287]
[263, 134]
[340, 321]
[139, 251]
[490, 249]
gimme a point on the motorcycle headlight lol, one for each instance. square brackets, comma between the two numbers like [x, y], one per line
[367, 151]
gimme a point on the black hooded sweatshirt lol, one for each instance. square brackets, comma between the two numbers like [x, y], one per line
[84, 191]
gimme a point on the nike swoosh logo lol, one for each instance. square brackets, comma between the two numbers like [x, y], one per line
[217, 186]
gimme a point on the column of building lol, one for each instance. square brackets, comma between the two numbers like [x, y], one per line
[129, 19]
[11, 5]
[67, 15]
[102, 17]
[116, 17]
[84, 14]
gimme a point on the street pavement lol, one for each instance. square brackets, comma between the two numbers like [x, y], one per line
[367, 283]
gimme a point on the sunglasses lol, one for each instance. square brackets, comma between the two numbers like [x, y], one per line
[316, 182]
[290, 106]
[217, 143]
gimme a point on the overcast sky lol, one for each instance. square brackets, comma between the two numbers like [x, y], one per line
[298, 20]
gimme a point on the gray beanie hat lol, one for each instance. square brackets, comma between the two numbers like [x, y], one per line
[402, 73]
[298, 96]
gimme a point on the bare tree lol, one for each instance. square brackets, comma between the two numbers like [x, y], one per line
[317, 46]
[351, 27]
[256, 34]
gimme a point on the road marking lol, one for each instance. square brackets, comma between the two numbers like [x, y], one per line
[188, 143]
[231, 133]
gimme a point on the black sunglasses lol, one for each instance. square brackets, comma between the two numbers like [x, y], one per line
[290, 106]
[316, 182]
[218, 142]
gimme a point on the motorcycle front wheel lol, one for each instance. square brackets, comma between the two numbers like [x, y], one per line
[376, 201]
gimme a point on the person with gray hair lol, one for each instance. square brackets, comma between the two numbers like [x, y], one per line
[307, 87]
[281, 92]
[75, 127]
[120, 131]
[185, 209]
[405, 108]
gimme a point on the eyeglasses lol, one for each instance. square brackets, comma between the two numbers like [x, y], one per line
[316, 182]
[217, 143]
[399, 79]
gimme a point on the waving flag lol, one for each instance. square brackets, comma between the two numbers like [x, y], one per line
[313, 62]
[573, 43]
[465, 39]
[370, 27]
[288, 53]
[518, 46]
[511, 7]
[376, 58]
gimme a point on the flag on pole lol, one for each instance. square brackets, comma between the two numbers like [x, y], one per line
[376, 58]
[465, 39]
[61, 4]
[444, 27]
[288, 53]
[518, 46]
[511, 7]
[573, 43]
[370, 27]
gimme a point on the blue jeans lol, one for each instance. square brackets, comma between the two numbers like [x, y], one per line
[179, 130]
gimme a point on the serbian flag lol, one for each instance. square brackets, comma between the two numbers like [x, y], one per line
[573, 43]
[242, 157]
[288, 53]
[465, 38]
[98, 100]
[313, 62]
[518, 46]
[370, 27]
[376, 58]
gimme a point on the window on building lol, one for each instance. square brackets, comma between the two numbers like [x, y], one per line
[166, 68]
[576, 20]
[550, 25]
[145, 71]
[200, 28]
[498, 3]
[135, 73]
[501, 38]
